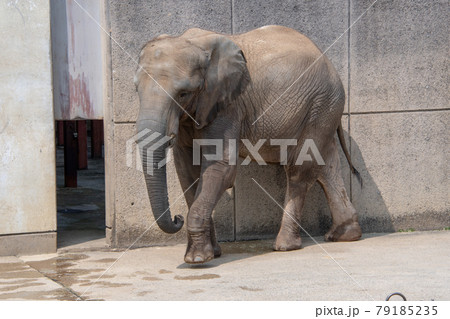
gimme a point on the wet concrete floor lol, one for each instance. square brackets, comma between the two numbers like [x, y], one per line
[415, 264]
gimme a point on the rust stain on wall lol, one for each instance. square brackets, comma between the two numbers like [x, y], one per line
[79, 95]
[79, 53]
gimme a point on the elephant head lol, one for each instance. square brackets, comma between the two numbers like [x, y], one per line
[190, 79]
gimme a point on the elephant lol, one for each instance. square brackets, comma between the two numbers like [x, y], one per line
[271, 83]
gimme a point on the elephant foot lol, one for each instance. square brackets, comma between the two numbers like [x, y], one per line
[217, 250]
[285, 242]
[216, 247]
[199, 249]
[348, 231]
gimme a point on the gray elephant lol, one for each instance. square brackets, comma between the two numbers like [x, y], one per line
[271, 83]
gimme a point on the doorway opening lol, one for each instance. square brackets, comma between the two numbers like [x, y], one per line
[80, 183]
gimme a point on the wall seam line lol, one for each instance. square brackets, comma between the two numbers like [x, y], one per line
[234, 187]
[109, 126]
[125, 123]
[348, 96]
[400, 111]
[232, 18]
[30, 233]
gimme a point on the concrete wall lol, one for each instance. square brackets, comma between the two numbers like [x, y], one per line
[133, 23]
[27, 153]
[399, 113]
[393, 63]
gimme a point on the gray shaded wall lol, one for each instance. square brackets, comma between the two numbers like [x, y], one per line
[393, 63]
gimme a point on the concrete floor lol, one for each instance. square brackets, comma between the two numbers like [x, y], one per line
[415, 264]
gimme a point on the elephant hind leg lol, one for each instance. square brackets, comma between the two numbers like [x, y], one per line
[298, 184]
[345, 225]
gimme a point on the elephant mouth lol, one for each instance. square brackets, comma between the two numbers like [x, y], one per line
[187, 115]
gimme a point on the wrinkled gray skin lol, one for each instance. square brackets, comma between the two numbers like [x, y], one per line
[224, 83]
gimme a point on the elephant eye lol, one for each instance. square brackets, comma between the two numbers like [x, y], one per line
[183, 94]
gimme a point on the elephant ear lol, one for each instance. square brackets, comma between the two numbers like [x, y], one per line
[162, 36]
[226, 76]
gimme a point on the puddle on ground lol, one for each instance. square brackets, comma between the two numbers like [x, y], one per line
[151, 278]
[95, 277]
[16, 278]
[59, 294]
[143, 293]
[58, 269]
[140, 272]
[17, 271]
[197, 277]
[105, 284]
[5, 267]
[95, 299]
[18, 282]
[15, 287]
[164, 271]
[56, 263]
[104, 260]
[30, 274]
[253, 247]
[250, 289]
[196, 291]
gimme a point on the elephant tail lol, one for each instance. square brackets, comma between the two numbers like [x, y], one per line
[340, 133]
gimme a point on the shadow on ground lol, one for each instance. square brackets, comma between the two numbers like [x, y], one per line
[235, 251]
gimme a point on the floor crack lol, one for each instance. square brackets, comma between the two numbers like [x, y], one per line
[71, 291]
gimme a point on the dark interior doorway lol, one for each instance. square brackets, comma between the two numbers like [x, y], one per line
[80, 202]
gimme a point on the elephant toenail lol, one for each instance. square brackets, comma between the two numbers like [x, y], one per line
[198, 259]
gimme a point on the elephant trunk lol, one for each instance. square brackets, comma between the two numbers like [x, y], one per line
[153, 154]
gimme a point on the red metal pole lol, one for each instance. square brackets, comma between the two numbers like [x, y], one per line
[60, 133]
[97, 138]
[70, 154]
[82, 145]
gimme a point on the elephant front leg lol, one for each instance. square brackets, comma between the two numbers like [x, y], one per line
[188, 175]
[202, 245]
